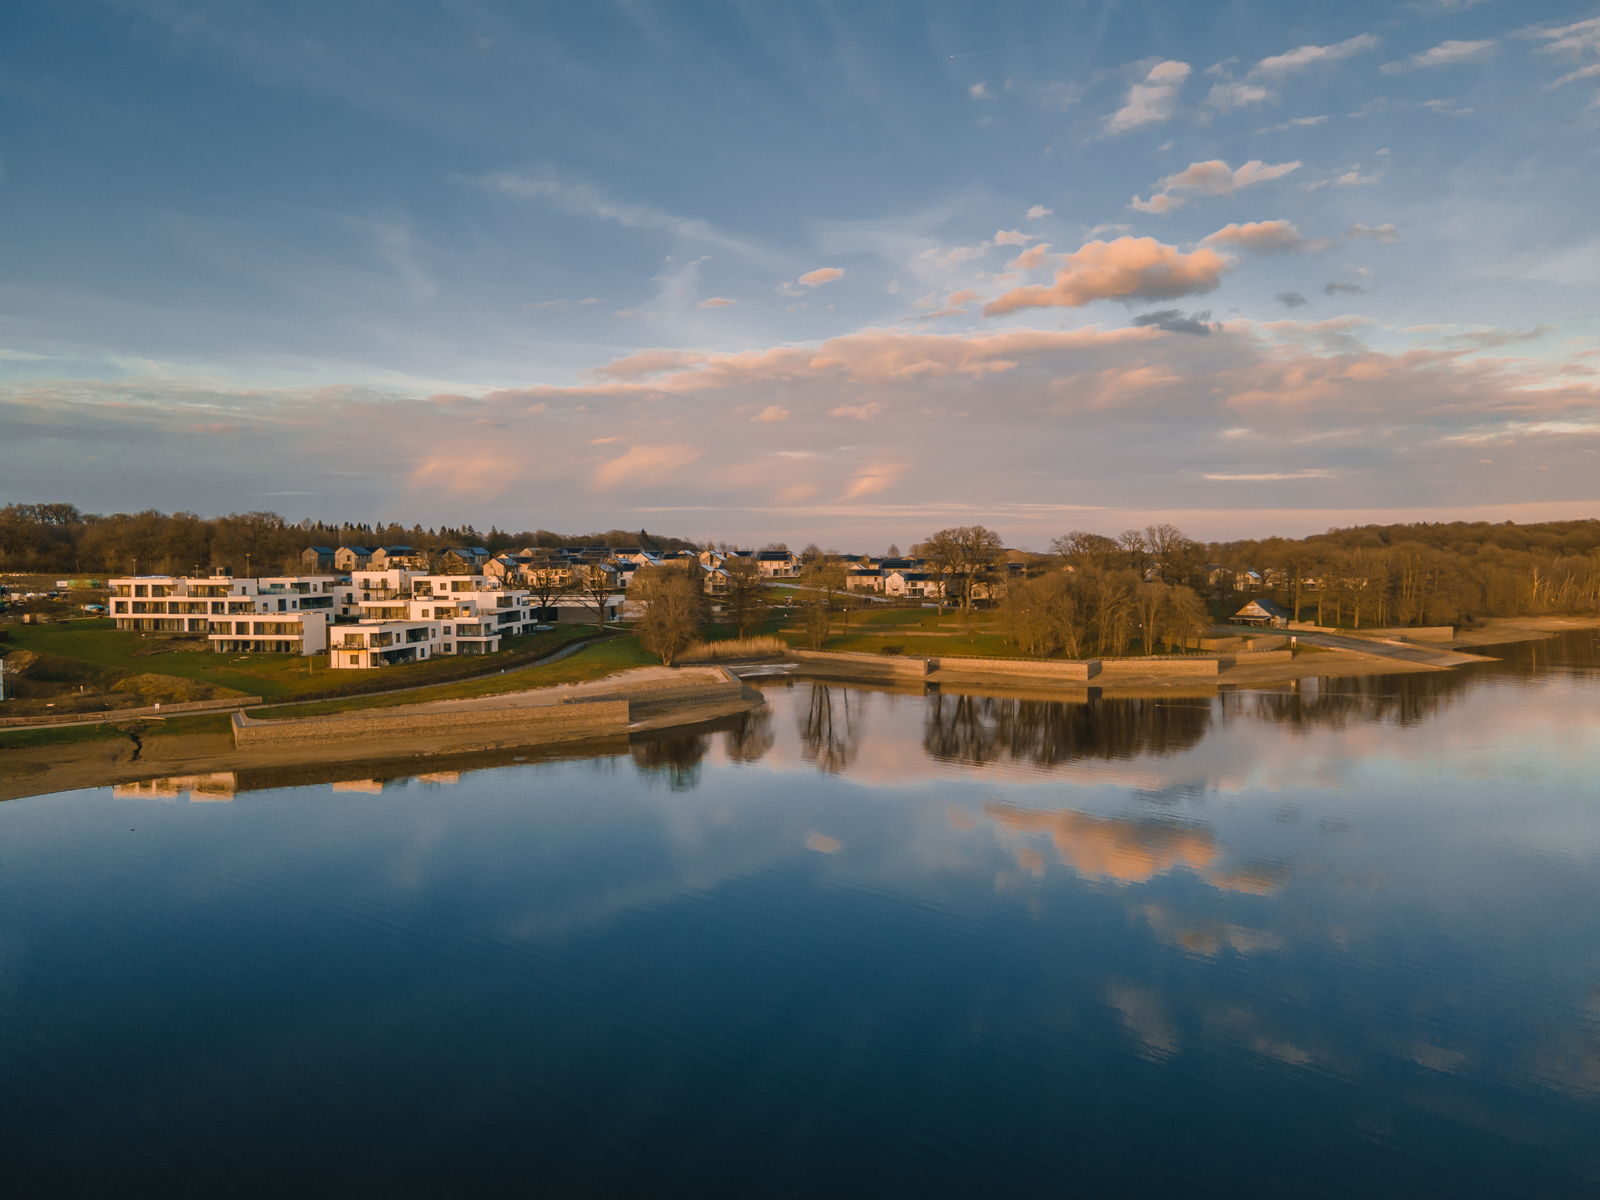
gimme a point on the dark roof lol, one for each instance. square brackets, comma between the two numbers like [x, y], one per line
[773, 555]
[361, 550]
[397, 549]
[319, 551]
[1269, 607]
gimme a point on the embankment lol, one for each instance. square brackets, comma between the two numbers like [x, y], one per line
[609, 706]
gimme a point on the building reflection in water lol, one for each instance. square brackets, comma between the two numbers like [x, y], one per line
[981, 729]
[831, 727]
[675, 758]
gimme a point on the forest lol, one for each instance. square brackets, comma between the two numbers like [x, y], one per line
[1373, 575]
[58, 538]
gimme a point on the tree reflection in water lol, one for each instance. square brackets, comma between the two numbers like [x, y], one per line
[830, 728]
[1410, 699]
[980, 729]
[750, 736]
[676, 758]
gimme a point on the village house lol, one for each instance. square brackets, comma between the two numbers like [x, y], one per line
[351, 558]
[318, 560]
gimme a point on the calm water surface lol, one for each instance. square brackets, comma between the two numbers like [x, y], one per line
[1340, 941]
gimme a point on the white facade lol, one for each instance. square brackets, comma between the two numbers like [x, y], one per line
[383, 643]
[283, 614]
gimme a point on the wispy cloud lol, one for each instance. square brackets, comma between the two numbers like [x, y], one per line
[1213, 178]
[1445, 54]
[1262, 81]
[1152, 100]
[593, 202]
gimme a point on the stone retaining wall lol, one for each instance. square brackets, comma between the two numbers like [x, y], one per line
[1261, 645]
[553, 722]
[862, 666]
[1176, 665]
[1257, 657]
[1016, 668]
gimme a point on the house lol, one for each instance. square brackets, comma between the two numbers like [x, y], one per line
[385, 557]
[464, 560]
[914, 585]
[777, 564]
[351, 558]
[1261, 613]
[864, 579]
[318, 559]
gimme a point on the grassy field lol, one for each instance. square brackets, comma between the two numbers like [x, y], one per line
[270, 676]
[592, 662]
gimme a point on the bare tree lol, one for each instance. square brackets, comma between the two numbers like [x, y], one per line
[674, 609]
[822, 579]
[1083, 549]
[1150, 599]
[746, 595]
[596, 583]
[1186, 615]
[1133, 546]
[965, 552]
[548, 582]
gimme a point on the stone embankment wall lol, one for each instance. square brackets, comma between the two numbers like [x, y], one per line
[695, 685]
[553, 722]
[863, 666]
[1123, 668]
[1053, 671]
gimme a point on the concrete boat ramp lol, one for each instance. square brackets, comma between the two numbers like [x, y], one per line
[1387, 648]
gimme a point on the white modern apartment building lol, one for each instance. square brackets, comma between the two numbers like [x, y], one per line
[382, 643]
[283, 614]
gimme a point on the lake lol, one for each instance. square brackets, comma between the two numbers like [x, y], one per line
[1336, 940]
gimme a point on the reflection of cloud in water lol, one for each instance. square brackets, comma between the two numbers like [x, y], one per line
[1145, 1015]
[1206, 937]
[823, 844]
[1127, 851]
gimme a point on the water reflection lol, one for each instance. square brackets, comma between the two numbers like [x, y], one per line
[675, 758]
[850, 951]
[750, 735]
[981, 729]
[831, 727]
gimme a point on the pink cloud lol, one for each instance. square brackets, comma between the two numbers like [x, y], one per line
[819, 277]
[1259, 237]
[1031, 258]
[1128, 268]
[644, 465]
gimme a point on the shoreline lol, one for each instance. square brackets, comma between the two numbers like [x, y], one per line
[653, 708]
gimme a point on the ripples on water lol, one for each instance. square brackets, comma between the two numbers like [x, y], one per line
[1339, 939]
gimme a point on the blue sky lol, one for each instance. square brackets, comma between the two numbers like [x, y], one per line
[843, 272]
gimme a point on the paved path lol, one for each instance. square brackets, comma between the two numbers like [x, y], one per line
[1405, 651]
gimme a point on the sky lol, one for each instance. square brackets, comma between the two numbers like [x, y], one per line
[842, 273]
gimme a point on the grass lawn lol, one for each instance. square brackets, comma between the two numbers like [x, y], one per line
[592, 662]
[17, 739]
[270, 676]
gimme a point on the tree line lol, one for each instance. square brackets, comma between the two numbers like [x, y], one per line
[59, 538]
